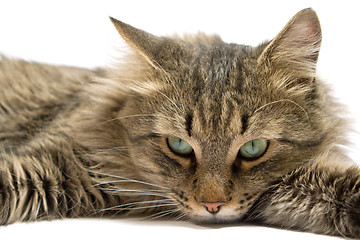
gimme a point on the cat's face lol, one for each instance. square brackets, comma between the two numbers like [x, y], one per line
[216, 123]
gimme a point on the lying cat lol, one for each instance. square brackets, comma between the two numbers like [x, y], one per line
[190, 128]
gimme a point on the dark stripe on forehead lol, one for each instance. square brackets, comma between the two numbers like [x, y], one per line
[201, 113]
[244, 123]
[188, 123]
[230, 107]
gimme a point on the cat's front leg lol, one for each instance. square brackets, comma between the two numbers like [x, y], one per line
[317, 198]
[45, 184]
[31, 188]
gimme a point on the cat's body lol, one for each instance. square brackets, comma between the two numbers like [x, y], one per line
[77, 142]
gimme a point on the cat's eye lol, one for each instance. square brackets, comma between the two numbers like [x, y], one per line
[179, 146]
[253, 149]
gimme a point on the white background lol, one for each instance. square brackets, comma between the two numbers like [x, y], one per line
[79, 33]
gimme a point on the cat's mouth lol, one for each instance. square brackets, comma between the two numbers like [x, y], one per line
[212, 213]
[225, 215]
[232, 209]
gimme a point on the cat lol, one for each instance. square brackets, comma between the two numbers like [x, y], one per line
[188, 128]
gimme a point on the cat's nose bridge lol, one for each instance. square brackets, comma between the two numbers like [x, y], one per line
[213, 150]
[211, 185]
[210, 191]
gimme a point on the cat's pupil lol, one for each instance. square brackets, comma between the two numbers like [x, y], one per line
[179, 146]
[253, 149]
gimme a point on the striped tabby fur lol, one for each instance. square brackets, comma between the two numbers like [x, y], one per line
[77, 142]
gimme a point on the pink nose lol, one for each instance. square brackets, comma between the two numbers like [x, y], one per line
[212, 207]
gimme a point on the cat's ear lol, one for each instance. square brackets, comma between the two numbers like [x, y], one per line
[159, 51]
[296, 48]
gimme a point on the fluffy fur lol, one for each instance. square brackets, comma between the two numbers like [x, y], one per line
[76, 142]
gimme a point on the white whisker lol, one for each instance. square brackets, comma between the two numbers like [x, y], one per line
[134, 190]
[130, 180]
[122, 206]
[181, 216]
[112, 149]
[146, 202]
[152, 206]
[119, 193]
[283, 100]
[161, 214]
[128, 116]
[169, 80]
[138, 208]
[168, 99]
[165, 213]
[135, 115]
[175, 105]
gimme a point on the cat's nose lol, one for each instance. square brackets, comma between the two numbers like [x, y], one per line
[212, 207]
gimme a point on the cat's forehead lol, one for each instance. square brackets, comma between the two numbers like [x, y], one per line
[212, 70]
[211, 94]
[217, 60]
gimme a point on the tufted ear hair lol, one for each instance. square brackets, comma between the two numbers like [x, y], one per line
[158, 51]
[296, 48]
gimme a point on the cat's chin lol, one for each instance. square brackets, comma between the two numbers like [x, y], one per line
[215, 219]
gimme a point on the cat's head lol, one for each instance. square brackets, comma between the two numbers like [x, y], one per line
[218, 123]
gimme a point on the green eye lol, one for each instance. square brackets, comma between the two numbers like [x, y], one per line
[254, 149]
[179, 146]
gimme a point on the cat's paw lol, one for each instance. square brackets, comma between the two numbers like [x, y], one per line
[354, 210]
[349, 220]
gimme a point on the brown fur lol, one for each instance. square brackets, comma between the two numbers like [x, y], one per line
[76, 142]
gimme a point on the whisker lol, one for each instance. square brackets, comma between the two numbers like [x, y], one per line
[138, 208]
[175, 105]
[137, 194]
[181, 216]
[130, 180]
[146, 202]
[161, 214]
[119, 193]
[112, 149]
[169, 80]
[134, 190]
[135, 115]
[284, 100]
[128, 116]
[165, 213]
[152, 206]
[127, 181]
[168, 99]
